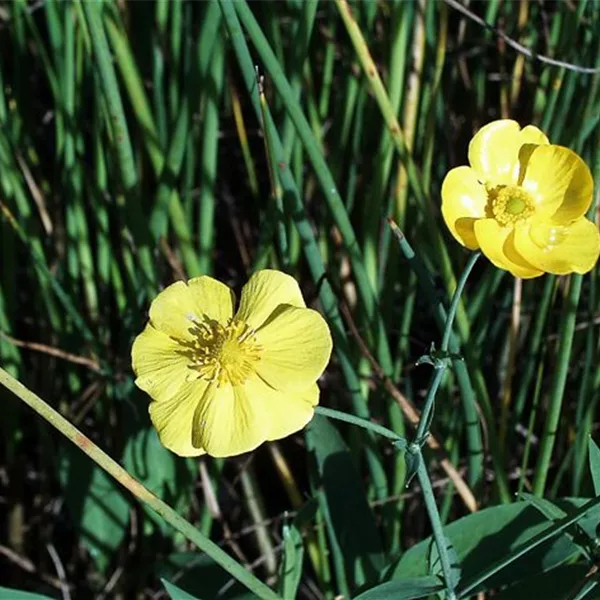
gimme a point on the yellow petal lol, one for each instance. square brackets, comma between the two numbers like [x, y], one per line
[494, 150]
[559, 249]
[212, 298]
[176, 308]
[296, 347]
[229, 421]
[559, 181]
[173, 418]
[464, 199]
[288, 411]
[160, 367]
[497, 243]
[264, 292]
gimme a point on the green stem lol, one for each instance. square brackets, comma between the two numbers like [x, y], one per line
[446, 336]
[342, 416]
[136, 488]
[456, 300]
[424, 422]
[558, 385]
[436, 522]
[474, 441]
[415, 448]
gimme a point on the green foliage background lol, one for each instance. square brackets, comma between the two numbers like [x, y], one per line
[134, 151]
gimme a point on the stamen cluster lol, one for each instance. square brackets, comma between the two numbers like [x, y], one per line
[222, 353]
[510, 204]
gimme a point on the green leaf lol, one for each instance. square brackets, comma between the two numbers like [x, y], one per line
[97, 506]
[10, 594]
[594, 453]
[547, 508]
[589, 523]
[493, 533]
[150, 462]
[552, 512]
[404, 589]
[176, 593]
[200, 575]
[553, 585]
[348, 516]
[290, 571]
[291, 566]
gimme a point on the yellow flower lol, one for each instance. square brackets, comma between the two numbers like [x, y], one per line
[223, 384]
[522, 201]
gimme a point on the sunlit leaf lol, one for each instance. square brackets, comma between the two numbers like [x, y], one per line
[493, 533]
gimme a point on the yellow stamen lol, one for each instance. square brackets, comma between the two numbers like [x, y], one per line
[510, 204]
[222, 353]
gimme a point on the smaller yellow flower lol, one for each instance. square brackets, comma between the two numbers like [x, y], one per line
[522, 202]
[223, 384]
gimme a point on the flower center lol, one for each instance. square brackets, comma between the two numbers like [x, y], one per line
[510, 204]
[222, 353]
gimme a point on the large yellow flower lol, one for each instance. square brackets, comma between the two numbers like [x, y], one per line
[223, 384]
[522, 201]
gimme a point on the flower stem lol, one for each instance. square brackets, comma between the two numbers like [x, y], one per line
[113, 468]
[456, 300]
[348, 418]
[466, 382]
[415, 447]
[436, 523]
[440, 369]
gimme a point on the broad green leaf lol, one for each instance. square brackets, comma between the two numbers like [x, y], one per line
[198, 574]
[10, 594]
[553, 585]
[291, 566]
[349, 516]
[589, 523]
[552, 512]
[594, 453]
[493, 533]
[176, 593]
[404, 589]
[97, 505]
[150, 462]
[547, 508]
